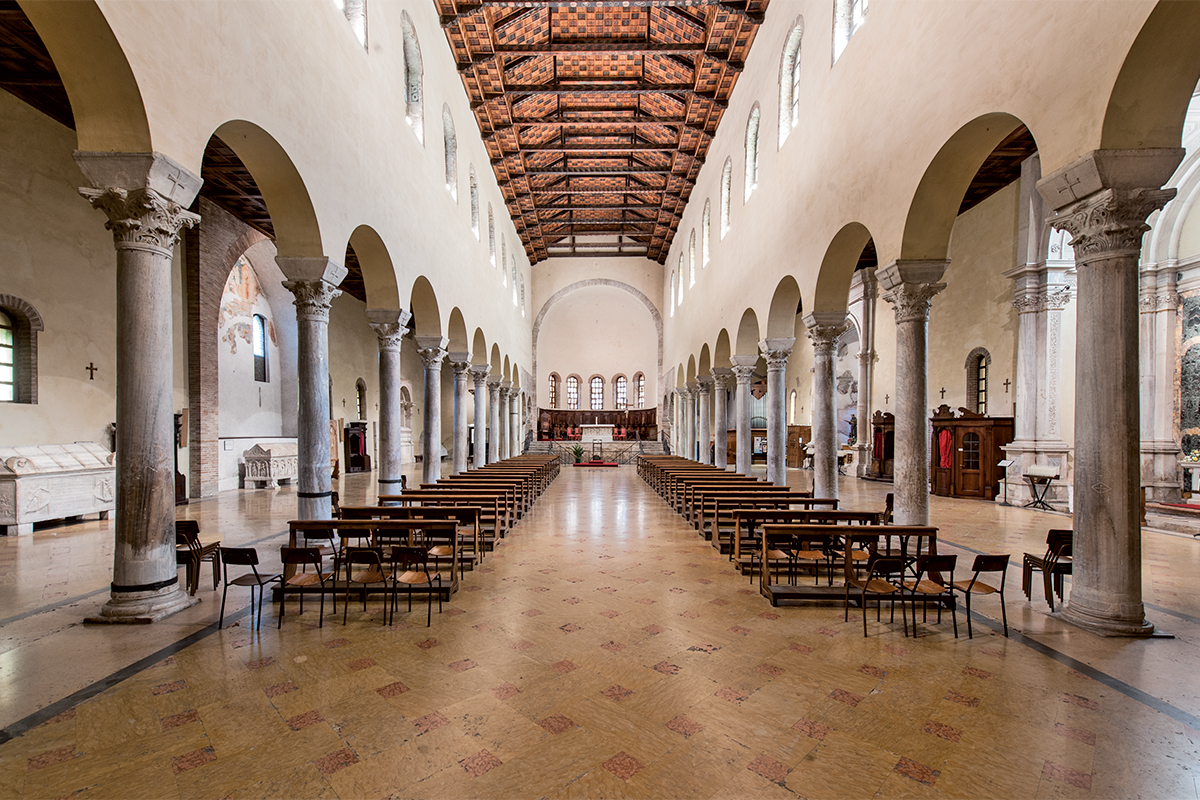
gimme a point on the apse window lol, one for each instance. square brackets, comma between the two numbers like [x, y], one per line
[639, 384]
[848, 17]
[573, 393]
[553, 390]
[8, 359]
[258, 333]
[621, 391]
[597, 392]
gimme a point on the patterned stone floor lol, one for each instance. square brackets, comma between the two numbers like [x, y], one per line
[604, 650]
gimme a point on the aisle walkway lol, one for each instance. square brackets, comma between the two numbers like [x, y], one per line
[605, 650]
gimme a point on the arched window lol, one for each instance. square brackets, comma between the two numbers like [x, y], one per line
[491, 236]
[522, 294]
[848, 17]
[356, 15]
[414, 97]
[503, 261]
[692, 259]
[752, 140]
[8, 359]
[789, 82]
[978, 362]
[596, 395]
[450, 143]
[553, 397]
[792, 408]
[19, 326]
[639, 390]
[671, 296]
[705, 233]
[573, 392]
[681, 279]
[258, 335]
[516, 293]
[621, 393]
[726, 189]
[473, 187]
[360, 398]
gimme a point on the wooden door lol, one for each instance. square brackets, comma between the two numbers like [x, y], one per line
[795, 447]
[968, 477]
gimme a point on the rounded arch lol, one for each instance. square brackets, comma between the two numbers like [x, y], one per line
[495, 360]
[574, 287]
[837, 267]
[479, 348]
[427, 318]
[785, 307]
[360, 397]
[379, 274]
[979, 362]
[297, 232]
[691, 369]
[505, 369]
[515, 376]
[457, 332]
[1150, 97]
[680, 377]
[704, 366]
[722, 350]
[748, 334]
[939, 195]
[110, 116]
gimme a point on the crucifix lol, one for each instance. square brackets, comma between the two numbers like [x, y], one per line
[943, 392]
[91, 370]
[1007, 382]
[886, 398]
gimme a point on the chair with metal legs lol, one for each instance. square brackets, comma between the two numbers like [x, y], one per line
[306, 556]
[245, 557]
[985, 564]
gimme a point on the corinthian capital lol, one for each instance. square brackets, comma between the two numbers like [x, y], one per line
[141, 219]
[1110, 222]
[721, 378]
[479, 373]
[824, 328]
[313, 298]
[776, 352]
[911, 300]
[389, 335]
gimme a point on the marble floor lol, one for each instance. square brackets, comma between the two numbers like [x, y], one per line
[603, 650]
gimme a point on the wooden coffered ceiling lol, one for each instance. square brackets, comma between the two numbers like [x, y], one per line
[597, 114]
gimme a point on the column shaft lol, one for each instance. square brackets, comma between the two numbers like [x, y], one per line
[391, 415]
[462, 372]
[866, 371]
[704, 432]
[432, 350]
[743, 370]
[776, 352]
[493, 431]
[721, 379]
[824, 328]
[479, 375]
[689, 421]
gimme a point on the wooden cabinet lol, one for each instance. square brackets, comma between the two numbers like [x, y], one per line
[883, 446]
[965, 451]
[797, 437]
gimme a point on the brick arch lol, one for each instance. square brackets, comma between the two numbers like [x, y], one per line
[973, 376]
[655, 314]
[27, 322]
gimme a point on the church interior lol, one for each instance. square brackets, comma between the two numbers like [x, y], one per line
[658, 349]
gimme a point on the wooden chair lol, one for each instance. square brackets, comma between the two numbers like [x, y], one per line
[410, 568]
[889, 504]
[245, 557]
[1053, 565]
[372, 573]
[984, 564]
[933, 582]
[305, 556]
[800, 550]
[187, 535]
[335, 505]
[882, 580]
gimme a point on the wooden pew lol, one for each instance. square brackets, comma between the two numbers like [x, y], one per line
[492, 505]
[467, 518]
[745, 519]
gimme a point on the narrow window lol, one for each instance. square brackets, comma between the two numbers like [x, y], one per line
[414, 109]
[752, 139]
[789, 82]
[450, 143]
[356, 14]
[473, 186]
[522, 294]
[503, 261]
[639, 382]
[705, 233]
[8, 359]
[573, 393]
[692, 259]
[726, 189]
[680, 301]
[360, 396]
[792, 408]
[597, 392]
[516, 294]
[491, 236]
[621, 393]
[978, 363]
[981, 369]
[258, 332]
[553, 390]
[848, 17]
[671, 296]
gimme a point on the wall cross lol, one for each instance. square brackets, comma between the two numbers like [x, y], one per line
[943, 392]
[1007, 383]
[91, 370]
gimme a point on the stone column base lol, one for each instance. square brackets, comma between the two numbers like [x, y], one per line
[1105, 625]
[141, 608]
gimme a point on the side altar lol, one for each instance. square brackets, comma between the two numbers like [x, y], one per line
[54, 481]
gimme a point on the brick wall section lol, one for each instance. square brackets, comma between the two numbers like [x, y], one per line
[209, 252]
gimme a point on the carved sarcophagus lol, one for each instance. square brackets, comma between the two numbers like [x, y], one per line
[275, 461]
[54, 481]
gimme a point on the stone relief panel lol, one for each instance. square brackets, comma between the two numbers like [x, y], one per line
[1188, 365]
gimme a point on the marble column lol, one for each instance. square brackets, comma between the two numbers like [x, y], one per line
[689, 419]
[866, 367]
[389, 326]
[493, 431]
[910, 286]
[1159, 306]
[432, 349]
[461, 364]
[721, 379]
[681, 445]
[503, 445]
[824, 328]
[479, 373]
[704, 437]
[743, 371]
[145, 198]
[515, 445]
[1102, 200]
[776, 353]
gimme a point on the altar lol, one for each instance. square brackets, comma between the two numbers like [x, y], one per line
[591, 433]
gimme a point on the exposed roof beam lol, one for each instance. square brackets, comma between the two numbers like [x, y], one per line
[467, 8]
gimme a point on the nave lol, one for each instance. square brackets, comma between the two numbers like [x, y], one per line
[604, 649]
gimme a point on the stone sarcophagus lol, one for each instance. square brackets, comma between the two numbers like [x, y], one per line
[54, 481]
[275, 461]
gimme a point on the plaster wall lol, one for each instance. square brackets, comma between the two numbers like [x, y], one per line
[249, 407]
[353, 354]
